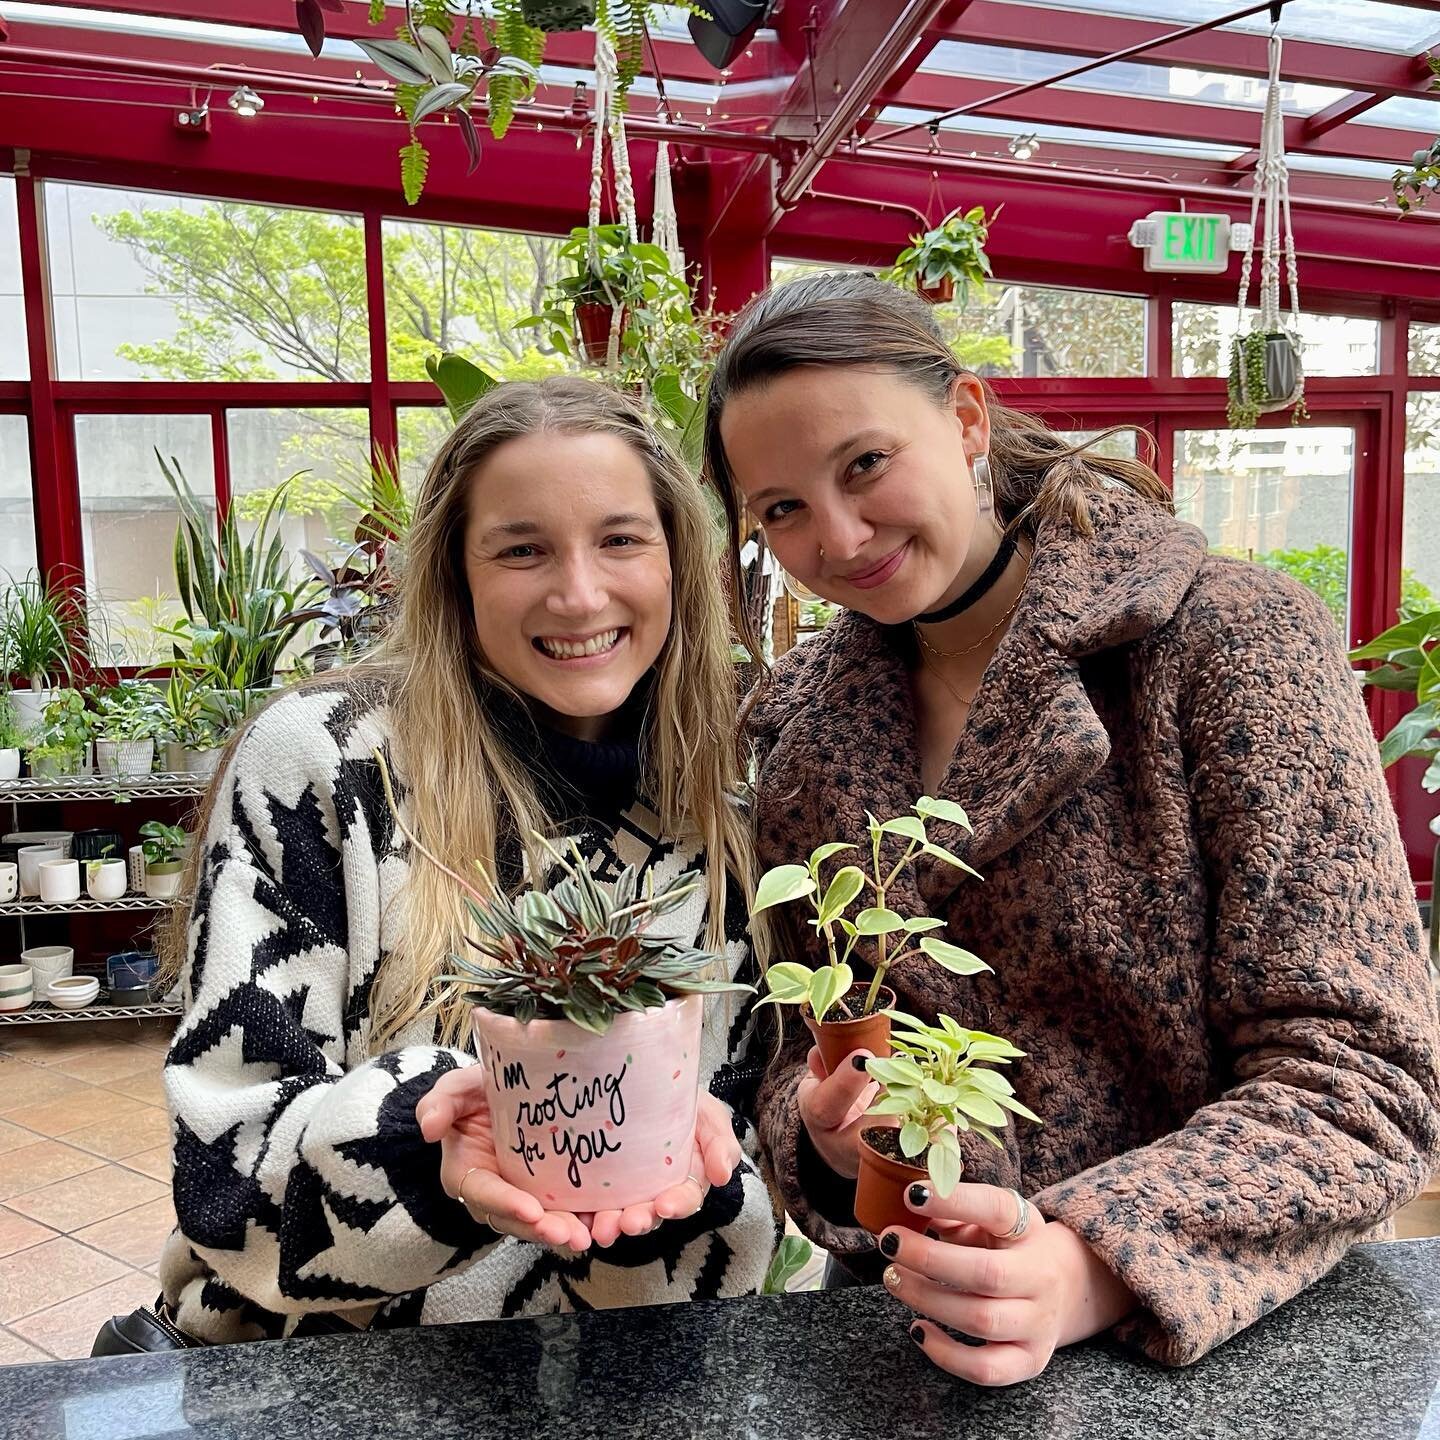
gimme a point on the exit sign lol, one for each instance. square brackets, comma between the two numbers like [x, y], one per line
[1188, 241]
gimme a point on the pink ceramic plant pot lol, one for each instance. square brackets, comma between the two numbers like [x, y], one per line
[594, 1122]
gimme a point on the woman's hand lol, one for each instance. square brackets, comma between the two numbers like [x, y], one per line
[832, 1107]
[456, 1113]
[1025, 1297]
[713, 1158]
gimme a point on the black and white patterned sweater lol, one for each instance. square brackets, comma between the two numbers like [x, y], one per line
[302, 1183]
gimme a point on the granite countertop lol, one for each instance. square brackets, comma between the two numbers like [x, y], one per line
[1357, 1355]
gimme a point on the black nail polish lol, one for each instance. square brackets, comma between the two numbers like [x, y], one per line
[919, 1195]
[858, 1061]
[917, 1334]
[931, 1233]
[889, 1244]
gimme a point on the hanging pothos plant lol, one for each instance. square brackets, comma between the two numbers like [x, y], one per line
[1419, 181]
[442, 60]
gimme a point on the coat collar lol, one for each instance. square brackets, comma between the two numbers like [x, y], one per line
[1034, 737]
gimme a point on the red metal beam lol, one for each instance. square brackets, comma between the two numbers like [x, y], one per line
[1087, 34]
[1144, 115]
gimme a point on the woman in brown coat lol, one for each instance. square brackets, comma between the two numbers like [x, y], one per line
[1198, 914]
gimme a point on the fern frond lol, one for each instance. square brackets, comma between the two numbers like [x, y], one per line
[414, 166]
[513, 37]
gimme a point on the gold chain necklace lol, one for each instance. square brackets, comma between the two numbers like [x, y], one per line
[959, 698]
[969, 649]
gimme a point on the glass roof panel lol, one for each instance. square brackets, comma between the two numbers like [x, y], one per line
[1368, 24]
[65, 17]
[1151, 82]
[1404, 113]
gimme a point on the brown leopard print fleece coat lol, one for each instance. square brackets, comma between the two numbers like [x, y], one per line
[1200, 919]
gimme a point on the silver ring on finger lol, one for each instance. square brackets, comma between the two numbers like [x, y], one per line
[1022, 1218]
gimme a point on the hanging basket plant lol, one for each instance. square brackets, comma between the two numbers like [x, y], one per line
[1266, 373]
[551, 15]
[949, 257]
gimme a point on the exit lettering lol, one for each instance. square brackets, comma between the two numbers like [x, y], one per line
[1191, 239]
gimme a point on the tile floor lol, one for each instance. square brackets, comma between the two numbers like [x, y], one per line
[85, 1183]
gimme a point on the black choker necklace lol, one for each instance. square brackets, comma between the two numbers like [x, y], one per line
[981, 587]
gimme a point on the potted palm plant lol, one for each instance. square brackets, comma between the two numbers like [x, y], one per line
[61, 746]
[934, 1085]
[949, 257]
[129, 718]
[588, 1020]
[42, 629]
[845, 1015]
[164, 847]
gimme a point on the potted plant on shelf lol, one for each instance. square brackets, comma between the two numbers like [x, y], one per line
[129, 718]
[164, 847]
[858, 1015]
[935, 1084]
[12, 739]
[62, 745]
[948, 258]
[588, 1019]
[105, 876]
[42, 628]
[614, 281]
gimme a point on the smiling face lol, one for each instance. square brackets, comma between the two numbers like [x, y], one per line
[569, 572]
[862, 483]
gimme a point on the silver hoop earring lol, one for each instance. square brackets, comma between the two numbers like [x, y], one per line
[984, 488]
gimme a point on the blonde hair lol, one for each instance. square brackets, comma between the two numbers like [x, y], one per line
[844, 318]
[442, 694]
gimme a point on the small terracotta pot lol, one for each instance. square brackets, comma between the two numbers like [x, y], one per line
[940, 293]
[838, 1038]
[595, 322]
[881, 1186]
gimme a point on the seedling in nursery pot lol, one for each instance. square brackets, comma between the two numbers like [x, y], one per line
[589, 1027]
[844, 1015]
[936, 1084]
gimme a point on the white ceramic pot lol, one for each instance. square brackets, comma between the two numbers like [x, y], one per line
[65, 839]
[162, 882]
[30, 859]
[106, 879]
[29, 707]
[202, 762]
[49, 963]
[9, 881]
[136, 856]
[124, 757]
[59, 881]
[594, 1122]
[74, 992]
[17, 987]
[10, 764]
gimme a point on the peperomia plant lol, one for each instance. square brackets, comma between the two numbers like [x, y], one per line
[791, 983]
[935, 1085]
[163, 844]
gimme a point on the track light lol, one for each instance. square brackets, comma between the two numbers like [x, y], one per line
[246, 102]
[1022, 147]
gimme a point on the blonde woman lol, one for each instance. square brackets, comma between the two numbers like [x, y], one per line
[561, 665]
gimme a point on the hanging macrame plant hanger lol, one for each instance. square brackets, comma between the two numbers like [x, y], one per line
[1265, 368]
[610, 125]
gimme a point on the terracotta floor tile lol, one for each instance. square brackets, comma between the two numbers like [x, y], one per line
[12, 1137]
[86, 1105]
[137, 1237]
[68, 1330]
[112, 1062]
[81, 1201]
[15, 1351]
[19, 1232]
[44, 1275]
[42, 1163]
[120, 1135]
[148, 1087]
[23, 1085]
[48, 1044]
[155, 1163]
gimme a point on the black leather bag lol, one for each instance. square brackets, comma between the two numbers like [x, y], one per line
[141, 1332]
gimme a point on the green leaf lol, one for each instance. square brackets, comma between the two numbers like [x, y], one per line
[782, 884]
[1012, 1104]
[1430, 780]
[398, 60]
[982, 1108]
[1408, 635]
[951, 957]
[846, 885]
[878, 922]
[1410, 731]
[891, 1105]
[789, 983]
[950, 858]
[822, 853]
[945, 1167]
[435, 54]
[913, 1139]
[922, 923]
[439, 97]
[789, 1260]
[910, 826]
[947, 810]
[895, 1071]
[414, 166]
[460, 381]
[940, 1093]
[829, 983]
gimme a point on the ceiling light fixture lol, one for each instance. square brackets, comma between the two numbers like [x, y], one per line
[1022, 147]
[246, 102]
